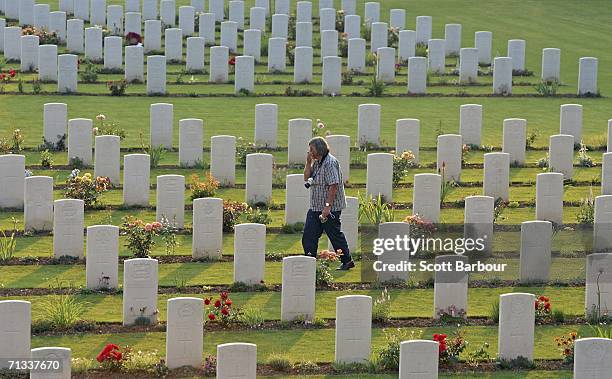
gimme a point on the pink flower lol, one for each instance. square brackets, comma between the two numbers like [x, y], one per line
[148, 227]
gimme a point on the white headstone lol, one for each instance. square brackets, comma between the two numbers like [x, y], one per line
[502, 76]
[478, 222]
[304, 11]
[26, 12]
[237, 360]
[496, 175]
[132, 5]
[207, 26]
[426, 196]
[587, 76]
[161, 124]
[514, 134]
[74, 36]
[38, 204]
[207, 241]
[57, 24]
[602, 227]
[244, 78]
[303, 34]
[371, 12]
[114, 19]
[392, 255]
[12, 43]
[419, 359]
[551, 65]
[108, 158]
[332, 75]
[397, 18]
[12, 168]
[297, 199]
[65, 6]
[598, 293]
[55, 121]
[329, 43]
[536, 241]
[229, 35]
[171, 199]
[149, 9]
[379, 36]
[2, 26]
[195, 54]
[174, 45]
[156, 75]
[187, 20]
[136, 180]
[15, 326]
[134, 64]
[257, 19]
[571, 121]
[606, 174]
[483, 41]
[133, 23]
[47, 63]
[11, 10]
[152, 36]
[327, 19]
[549, 197]
[300, 133]
[468, 65]
[249, 254]
[350, 223]
[407, 136]
[191, 142]
[298, 288]
[449, 156]
[352, 26]
[140, 291]
[102, 257]
[356, 55]
[561, 154]
[266, 124]
[385, 68]
[223, 159]
[41, 16]
[380, 176]
[68, 225]
[217, 7]
[167, 12]
[93, 44]
[46, 354]
[368, 124]
[113, 53]
[436, 57]
[516, 325]
[340, 147]
[451, 286]
[98, 12]
[236, 12]
[349, 7]
[592, 358]
[67, 67]
[423, 29]
[452, 38]
[219, 57]
[282, 6]
[417, 75]
[252, 44]
[80, 136]
[259, 178]
[470, 123]
[407, 45]
[184, 332]
[516, 51]
[280, 26]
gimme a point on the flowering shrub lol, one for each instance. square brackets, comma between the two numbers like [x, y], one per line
[232, 211]
[139, 235]
[117, 87]
[565, 343]
[220, 309]
[388, 356]
[320, 129]
[256, 216]
[542, 309]
[340, 21]
[202, 189]
[381, 309]
[44, 37]
[450, 350]
[5, 78]
[111, 357]
[133, 39]
[210, 365]
[86, 188]
[401, 165]
[465, 151]
[168, 232]
[108, 128]
[324, 277]
[46, 159]
[17, 140]
[419, 227]
[343, 45]
[244, 148]
[393, 38]
[452, 314]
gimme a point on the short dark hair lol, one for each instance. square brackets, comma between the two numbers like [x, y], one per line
[320, 145]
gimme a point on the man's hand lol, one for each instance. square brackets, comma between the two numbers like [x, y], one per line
[308, 158]
[326, 212]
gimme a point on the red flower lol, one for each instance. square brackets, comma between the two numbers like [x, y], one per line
[536, 305]
[106, 352]
[229, 302]
[547, 306]
[207, 301]
[218, 304]
[2, 76]
[224, 295]
[211, 317]
[12, 73]
[232, 61]
[225, 311]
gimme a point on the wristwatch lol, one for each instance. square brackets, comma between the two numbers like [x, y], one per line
[327, 204]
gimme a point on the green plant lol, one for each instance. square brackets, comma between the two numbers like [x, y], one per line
[279, 362]
[565, 343]
[446, 186]
[376, 87]
[544, 88]
[206, 188]
[371, 59]
[251, 317]
[451, 315]
[62, 311]
[401, 165]
[8, 243]
[519, 362]
[381, 309]
[347, 77]
[89, 73]
[279, 175]
[450, 349]
[140, 236]
[168, 232]
[59, 145]
[244, 148]
[586, 211]
[543, 309]
[494, 311]
[326, 258]
[601, 331]
[108, 128]
[475, 357]
[86, 188]
[46, 159]
[584, 159]
[17, 140]
[543, 162]
[531, 137]
[558, 316]
[306, 367]
[220, 309]
[117, 87]
[499, 206]
[256, 216]
[36, 86]
[375, 210]
[232, 212]
[388, 356]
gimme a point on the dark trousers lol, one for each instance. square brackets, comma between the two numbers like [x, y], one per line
[314, 228]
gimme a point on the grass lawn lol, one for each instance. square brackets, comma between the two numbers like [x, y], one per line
[496, 375]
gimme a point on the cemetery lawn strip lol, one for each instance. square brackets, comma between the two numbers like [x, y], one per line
[295, 343]
[535, 374]
[405, 303]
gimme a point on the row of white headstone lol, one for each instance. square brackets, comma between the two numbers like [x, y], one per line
[353, 334]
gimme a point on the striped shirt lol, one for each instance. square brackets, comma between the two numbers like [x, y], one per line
[326, 174]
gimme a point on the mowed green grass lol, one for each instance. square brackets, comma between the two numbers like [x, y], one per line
[496, 375]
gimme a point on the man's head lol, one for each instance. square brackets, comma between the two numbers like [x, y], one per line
[318, 147]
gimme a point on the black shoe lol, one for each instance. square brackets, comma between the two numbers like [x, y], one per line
[346, 266]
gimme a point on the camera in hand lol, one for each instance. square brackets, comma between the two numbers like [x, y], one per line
[309, 183]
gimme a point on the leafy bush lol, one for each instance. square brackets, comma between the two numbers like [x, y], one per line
[326, 258]
[46, 159]
[475, 357]
[519, 362]
[89, 73]
[86, 188]
[62, 311]
[117, 87]
[381, 309]
[251, 317]
[586, 211]
[547, 88]
[8, 243]
[44, 37]
[232, 212]
[256, 216]
[401, 165]
[206, 188]
[375, 211]
[494, 311]
[584, 159]
[59, 145]
[279, 362]
[168, 232]
[565, 343]
[376, 87]
[388, 356]
[140, 236]
[108, 128]
[220, 309]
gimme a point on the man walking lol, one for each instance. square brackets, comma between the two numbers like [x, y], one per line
[324, 179]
